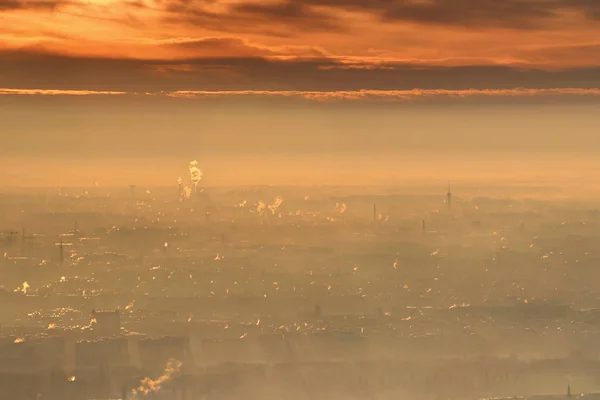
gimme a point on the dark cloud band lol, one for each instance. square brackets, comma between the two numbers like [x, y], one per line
[48, 71]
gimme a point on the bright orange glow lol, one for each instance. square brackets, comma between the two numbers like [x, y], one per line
[230, 28]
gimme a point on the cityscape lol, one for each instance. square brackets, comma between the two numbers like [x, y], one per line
[191, 292]
[299, 200]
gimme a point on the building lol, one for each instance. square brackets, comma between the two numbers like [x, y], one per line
[102, 353]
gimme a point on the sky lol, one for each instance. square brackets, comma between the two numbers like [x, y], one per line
[226, 80]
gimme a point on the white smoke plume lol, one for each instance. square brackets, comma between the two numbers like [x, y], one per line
[276, 204]
[341, 208]
[195, 174]
[148, 385]
[260, 207]
[187, 192]
[23, 288]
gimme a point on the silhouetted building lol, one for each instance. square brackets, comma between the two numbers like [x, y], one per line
[114, 352]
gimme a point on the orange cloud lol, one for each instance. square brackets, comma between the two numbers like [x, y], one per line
[481, 32]
[325, 46]
[57, 92]
[324, 73]
[331, 96]
[394, 95]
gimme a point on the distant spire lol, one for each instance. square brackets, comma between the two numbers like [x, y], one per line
[449, 197]
[569, 391]
[62, 252]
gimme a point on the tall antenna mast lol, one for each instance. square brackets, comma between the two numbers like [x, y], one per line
[61, 246]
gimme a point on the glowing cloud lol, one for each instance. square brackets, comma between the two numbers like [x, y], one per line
[393, 95]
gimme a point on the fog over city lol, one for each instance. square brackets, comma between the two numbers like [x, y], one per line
[460, 290]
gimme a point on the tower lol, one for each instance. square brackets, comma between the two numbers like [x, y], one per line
[423, 227]
[374, 212]
[61, 245]
[449, 197]
[180, 187]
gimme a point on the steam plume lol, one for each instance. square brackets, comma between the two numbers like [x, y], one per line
[195, 174]
[148, 385]
[260, 207]
[276, 204]
[23, 288]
